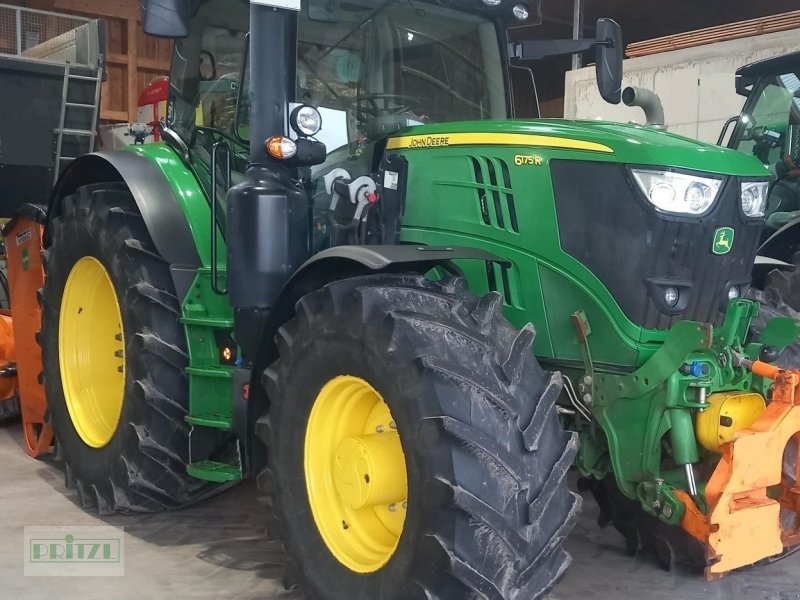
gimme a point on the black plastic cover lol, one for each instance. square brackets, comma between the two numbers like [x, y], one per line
[606, 223]
[267, 236]
[392, 182]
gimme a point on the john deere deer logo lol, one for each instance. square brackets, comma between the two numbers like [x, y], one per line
[723, 240]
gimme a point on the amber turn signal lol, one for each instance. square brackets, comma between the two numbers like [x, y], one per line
[281, 147]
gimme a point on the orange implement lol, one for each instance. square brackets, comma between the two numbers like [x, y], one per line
[8, 379]
[25, 278]
[753, 503]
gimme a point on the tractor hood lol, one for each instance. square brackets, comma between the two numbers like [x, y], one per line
[629, 144]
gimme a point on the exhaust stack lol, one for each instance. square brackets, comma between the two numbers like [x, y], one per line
[648, 101]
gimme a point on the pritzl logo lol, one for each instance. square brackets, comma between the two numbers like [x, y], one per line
[76, 551]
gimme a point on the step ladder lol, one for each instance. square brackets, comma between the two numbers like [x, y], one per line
[68, 107]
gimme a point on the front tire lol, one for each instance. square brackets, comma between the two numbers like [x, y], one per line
[114, 354]
[486, 505]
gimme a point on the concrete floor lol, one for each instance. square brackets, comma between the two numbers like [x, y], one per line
[217, 550]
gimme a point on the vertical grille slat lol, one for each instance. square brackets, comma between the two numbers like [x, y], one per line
[498, 209]
[480, 190]
[498, 280]
[503, 211]
[512, 209]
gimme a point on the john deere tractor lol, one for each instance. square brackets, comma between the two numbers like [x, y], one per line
[326, 275]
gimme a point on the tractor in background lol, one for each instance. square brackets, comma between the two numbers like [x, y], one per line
[769, 129]
[348, 271]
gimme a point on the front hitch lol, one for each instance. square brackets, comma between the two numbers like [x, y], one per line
[753, 501]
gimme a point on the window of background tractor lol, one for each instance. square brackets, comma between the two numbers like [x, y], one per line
[771, 129]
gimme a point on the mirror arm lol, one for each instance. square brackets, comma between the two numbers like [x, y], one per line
[538, 49]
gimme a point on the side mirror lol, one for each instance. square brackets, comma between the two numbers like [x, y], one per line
[166, 18]
[608, 55]
[608, 60]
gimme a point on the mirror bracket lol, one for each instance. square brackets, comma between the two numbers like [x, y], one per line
[539, 49]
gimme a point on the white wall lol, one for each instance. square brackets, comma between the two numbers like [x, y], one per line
[696, 85]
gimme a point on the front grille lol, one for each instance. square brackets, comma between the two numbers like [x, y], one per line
[606, 224]
[494, 193]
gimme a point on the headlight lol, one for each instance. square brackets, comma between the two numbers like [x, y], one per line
[520, 12]
[677, 193]
[754, 198]
[306, 120]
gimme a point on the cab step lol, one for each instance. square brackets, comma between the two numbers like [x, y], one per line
[213, 420]
[218, 472]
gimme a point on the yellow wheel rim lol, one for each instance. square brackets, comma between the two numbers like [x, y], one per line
[355, 474]
[91, 352]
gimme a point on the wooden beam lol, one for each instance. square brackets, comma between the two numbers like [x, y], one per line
[148, 64]
[133, 56]
[125, 9]
[720, 33]
[153, 64]
[116, 59]
[114, 115]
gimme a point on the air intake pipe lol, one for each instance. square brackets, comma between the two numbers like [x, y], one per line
[648, 101]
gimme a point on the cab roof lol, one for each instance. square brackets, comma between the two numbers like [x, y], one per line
[784, 62]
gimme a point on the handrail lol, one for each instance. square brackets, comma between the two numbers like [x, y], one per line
[214, 246]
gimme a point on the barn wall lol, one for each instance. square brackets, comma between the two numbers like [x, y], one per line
[696, 85]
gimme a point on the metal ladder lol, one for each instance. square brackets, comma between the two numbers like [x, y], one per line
[66, 105]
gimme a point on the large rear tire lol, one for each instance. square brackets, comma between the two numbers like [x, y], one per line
[114, 355]
[486, 507]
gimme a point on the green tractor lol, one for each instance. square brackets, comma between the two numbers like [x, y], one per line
[769, 129]
[326, 276]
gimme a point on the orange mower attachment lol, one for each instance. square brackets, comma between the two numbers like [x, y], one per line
[23, 236]
[753, 500]
[8, 370]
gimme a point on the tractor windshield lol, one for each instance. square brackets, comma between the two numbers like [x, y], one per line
[370, 68]
[374, 69]
[769, 128]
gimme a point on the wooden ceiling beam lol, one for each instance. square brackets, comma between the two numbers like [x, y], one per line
[120, 9]
[720, 33]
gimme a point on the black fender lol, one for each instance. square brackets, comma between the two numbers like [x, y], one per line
[164, 218]
[763, 265]
[256, 329]
[782, 244]
[341, 262]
